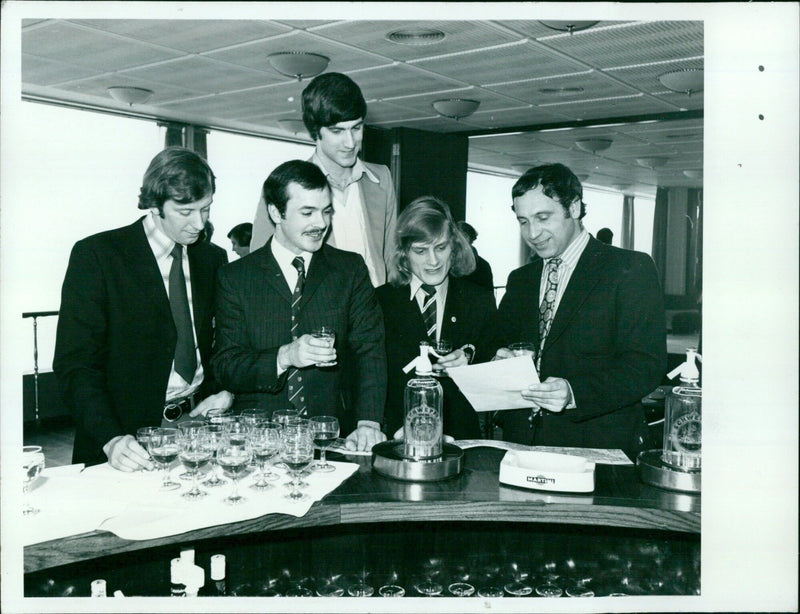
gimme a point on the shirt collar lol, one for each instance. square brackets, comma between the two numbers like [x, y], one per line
[569, 257]
[359, 169]
[285, 256]
[160, 243]
[415, 283]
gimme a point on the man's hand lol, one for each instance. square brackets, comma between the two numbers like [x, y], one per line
[304, 352]
[222, 401]
[503, 353]
[456, 358]
[554, 394]
[125, 453]
[366, 435]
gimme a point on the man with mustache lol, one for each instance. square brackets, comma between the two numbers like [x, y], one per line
[270, 302]
[364, 201]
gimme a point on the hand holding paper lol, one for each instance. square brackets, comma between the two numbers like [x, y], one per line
[496, 385]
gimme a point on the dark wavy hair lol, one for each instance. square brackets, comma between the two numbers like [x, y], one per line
[557, 181]
[329, 99]
[300, 172]
[424, 220]
[176, 174]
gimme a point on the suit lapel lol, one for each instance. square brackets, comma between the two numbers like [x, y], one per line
[143, 268]
[272, 272]
[585, 276]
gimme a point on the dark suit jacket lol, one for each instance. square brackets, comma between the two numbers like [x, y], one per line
[482, 275]
[468, 317]
[607, 340]
[254, 320]
[116, 337]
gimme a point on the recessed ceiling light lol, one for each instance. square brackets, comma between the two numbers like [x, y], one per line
[416, 36]
[129, 95]
[560, 91]
[687, 81]
[568, 26]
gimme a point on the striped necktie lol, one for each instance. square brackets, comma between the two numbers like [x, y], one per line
[547, 307]
[429, 311]
[185, 353]
[295, 377]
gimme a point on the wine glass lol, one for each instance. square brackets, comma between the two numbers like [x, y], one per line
[284, 416]
[327, 334]
[518, 585]
[250, 417]
[185, 429]
[197, 448]
[164, 448]
[297, 451]
[216, 431]
[441, 347]
[325, 430]
[143, 437]
[32, 466]
[265, 440]
[233, 455]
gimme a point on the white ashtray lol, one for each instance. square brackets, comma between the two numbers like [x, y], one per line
[547, 471]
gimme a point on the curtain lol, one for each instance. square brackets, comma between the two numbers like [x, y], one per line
[660, 231]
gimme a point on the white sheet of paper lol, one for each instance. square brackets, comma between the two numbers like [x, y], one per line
[496, 385]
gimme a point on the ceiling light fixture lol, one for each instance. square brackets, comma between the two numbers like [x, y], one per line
[652, 162]
[568, 26]
[298, 64]
[295, 126]
[521, 167]
[687, 81]
[694, 173]
[593, 145]
[129, 95]
[582, 176]
[416, 36]
[456, 108]
[560, 91]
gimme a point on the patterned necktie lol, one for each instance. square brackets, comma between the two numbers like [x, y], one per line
[429, 311]
[185, 353]
[548, 305]
[295, 378]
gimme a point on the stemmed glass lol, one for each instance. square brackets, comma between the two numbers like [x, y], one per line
[297, 451]
[442, 348]
[143, 437]
[234, 455]
[186, 429]
[325, 430]
[197, 448]
[265, 439]
[284, 417]
[32, 466]
[518, 585]
[216, 431]
[250, 417]
[164, 448]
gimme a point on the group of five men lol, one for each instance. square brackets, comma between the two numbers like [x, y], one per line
[154, 326]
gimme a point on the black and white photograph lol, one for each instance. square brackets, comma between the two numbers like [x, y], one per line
[391, 307]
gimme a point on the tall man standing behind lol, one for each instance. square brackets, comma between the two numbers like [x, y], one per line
[270, 302]
[135, 324]
[599, 328]
[363, 194]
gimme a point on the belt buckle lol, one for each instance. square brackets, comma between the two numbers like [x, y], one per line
[174, 411]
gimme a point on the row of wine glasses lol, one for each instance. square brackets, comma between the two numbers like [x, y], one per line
[233, 443]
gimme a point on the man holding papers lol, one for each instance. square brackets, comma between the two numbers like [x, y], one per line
[599, 327]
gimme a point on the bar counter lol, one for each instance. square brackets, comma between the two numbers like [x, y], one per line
[619, 500]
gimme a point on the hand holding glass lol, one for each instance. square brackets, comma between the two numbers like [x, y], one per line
[327, 334]
[32, 466]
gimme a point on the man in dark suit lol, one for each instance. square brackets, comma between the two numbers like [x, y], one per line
[363, 195]
[270, 302]
[482, 275]
[135, 326]
[599, 328]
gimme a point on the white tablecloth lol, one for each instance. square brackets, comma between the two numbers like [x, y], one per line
[74, 500]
